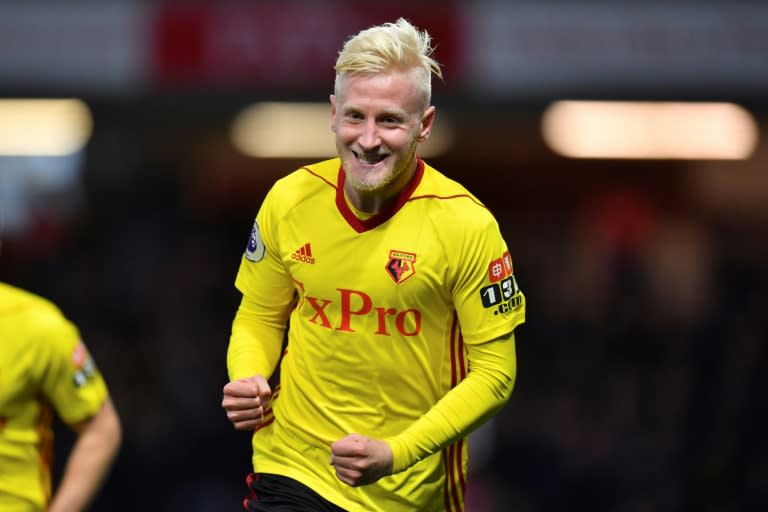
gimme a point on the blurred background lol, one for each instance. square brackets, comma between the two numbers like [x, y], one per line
[622, 145]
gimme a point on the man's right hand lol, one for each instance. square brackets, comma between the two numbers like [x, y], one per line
[246, 400]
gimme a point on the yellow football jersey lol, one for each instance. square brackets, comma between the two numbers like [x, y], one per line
[380, 310]
[44, 369]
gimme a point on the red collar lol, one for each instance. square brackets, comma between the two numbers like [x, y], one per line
[384, 215]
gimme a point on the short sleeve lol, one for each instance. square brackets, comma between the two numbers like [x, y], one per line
[71, 381]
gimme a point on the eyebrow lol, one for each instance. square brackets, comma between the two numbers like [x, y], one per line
[399, 113]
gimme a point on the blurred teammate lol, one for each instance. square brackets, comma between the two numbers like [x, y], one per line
[45, 369]
[401, 300]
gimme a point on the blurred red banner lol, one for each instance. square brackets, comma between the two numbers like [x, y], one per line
[287, 45]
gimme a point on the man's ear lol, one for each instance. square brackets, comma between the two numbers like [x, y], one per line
[427, 119]
[333, 113]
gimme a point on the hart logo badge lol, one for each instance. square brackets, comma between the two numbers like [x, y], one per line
[303, 254]
[401, 265]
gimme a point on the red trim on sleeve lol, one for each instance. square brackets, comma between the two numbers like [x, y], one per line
[460, 350]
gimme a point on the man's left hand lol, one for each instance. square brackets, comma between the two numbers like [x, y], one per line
[361, 460]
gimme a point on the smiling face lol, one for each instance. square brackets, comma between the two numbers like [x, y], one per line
[379, 121]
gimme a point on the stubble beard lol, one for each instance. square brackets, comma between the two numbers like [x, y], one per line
[372, 182]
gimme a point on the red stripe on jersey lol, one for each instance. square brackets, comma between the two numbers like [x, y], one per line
[454, 333]
[45, 447]
[454, 460]
[446, 487]
[455, 483]
[433, 196]
[318, 176]
[264, 424]
[269, 416]
[460, 468]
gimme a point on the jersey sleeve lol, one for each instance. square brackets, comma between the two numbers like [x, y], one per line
[268, 296]
[487, 387]
[485, 293]
[70, 379]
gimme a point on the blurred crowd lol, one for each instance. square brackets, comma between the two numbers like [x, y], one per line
[642, 365]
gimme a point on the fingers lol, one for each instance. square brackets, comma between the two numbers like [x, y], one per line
[352, 445]
[234, 403]
[347, 456]
[350, 469]
[360, 460]
[250, 387]
[246, 401]
[263, 390]
[351, 477]
[246, 420]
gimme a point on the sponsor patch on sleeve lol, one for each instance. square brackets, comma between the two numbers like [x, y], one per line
[83, 363]
[503, 294]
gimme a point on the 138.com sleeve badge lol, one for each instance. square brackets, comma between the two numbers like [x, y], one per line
[503, 293]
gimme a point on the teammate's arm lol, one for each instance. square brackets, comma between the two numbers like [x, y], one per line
[97, 444]
[487, 387]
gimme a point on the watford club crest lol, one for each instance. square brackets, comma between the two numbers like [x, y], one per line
[401, 265]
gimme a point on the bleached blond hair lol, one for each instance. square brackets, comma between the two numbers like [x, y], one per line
[381, 48]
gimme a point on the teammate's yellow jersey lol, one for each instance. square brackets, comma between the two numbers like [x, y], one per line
[380, 310]
[44, 369]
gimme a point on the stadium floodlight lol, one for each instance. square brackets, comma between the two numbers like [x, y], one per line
[303, 130]
[649, 130]
[44, 127]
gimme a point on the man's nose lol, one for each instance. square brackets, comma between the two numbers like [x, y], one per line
[369, 138]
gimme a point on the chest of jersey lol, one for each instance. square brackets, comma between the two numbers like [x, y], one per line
[388, 280]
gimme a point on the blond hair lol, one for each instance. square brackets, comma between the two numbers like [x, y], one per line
[391, 45]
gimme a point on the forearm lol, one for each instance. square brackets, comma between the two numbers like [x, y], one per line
[89, 461]
[255, 344]
[476, 399]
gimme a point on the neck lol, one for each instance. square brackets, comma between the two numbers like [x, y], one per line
[375, 201]
[370, 201]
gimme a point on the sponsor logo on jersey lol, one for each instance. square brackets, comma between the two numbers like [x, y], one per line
[503, 294]
[83, 363]
[304, 254]
[500, 268]
[254, 249]
[401, 265]
[341, 312]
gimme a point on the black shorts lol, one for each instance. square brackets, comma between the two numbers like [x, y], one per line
[276, 493]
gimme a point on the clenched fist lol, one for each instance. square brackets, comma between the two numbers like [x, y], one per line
[361, 460]
[246, 400]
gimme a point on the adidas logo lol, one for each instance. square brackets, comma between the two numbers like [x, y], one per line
[303, 253]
